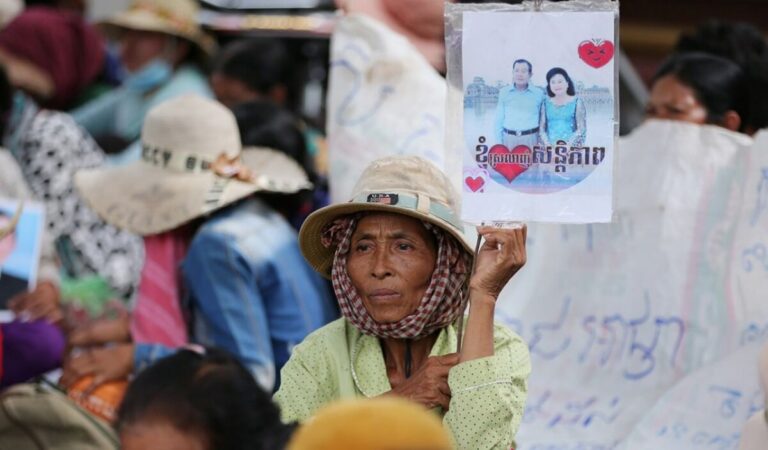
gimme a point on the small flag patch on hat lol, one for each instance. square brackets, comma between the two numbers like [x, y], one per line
[385, 199]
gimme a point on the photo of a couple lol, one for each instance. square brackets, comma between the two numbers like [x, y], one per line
[539, 113]
[529, 115]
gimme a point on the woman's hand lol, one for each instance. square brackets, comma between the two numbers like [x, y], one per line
[500, 257]
[104, 363]
[40, 303]
[429, 384]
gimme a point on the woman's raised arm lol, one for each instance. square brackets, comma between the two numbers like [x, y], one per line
[500, 257]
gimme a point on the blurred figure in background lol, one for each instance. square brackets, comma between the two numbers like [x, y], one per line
[265, 124]
[222, 268]
[700, 88]
[248, 76]
[43, 302]
[420, 21]
[163, 50]
[199, 399]
[53, 55]
[744, 45]
[252, 69]
[49, 147]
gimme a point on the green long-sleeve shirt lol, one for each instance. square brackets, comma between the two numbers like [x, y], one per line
[487, 394]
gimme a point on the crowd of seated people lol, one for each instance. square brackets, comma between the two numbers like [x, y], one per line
[249, 312]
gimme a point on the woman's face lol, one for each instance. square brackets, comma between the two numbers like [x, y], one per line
[673, 100]
[558, 84]
[390, 263]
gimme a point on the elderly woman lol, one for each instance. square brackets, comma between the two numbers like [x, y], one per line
[400, 267]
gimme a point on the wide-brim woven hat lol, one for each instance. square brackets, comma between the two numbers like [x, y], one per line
[174, 17]
[181, 175]
[407, 185]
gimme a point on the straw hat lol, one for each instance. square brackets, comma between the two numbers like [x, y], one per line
[191, 165]
[174, 17]
[407, 185]
[372, 424]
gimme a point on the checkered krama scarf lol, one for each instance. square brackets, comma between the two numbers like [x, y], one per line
[443, 301]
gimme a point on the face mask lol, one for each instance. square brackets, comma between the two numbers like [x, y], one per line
[152, 75]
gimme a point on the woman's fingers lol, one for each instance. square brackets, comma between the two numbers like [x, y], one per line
[509, 243]
[444, 401]
[444, 388]
[500, 257]
[449, 360]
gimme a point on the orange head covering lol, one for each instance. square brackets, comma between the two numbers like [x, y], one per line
[372, 424]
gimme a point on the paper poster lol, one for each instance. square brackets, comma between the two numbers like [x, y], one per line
[539, 115]
[636, 328]
[21, 228]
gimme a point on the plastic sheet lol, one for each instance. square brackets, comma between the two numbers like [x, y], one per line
[644, 332]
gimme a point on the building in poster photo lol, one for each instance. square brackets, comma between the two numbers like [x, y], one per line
[539, 115]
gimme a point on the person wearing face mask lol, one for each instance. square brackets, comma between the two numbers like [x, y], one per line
[161, 48]
[703, 89]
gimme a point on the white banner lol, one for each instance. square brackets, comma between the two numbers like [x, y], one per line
[384, 99]
[629, 323]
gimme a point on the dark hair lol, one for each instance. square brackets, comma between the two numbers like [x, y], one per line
[744, 45]
[208, 394]
[6, 99]
[739, 42]
[262, 123]
[718, 83]
[560, 71]
[523, 61]
[259, 63]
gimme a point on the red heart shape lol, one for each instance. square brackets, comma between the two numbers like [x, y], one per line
[509, 163]
[474, 183]
[596, 53]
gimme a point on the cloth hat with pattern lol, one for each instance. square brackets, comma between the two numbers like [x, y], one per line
[407, 185]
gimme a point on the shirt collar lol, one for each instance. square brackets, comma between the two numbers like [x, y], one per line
[528, 88]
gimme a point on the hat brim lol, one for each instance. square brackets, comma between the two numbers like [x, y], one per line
[275, 171]
[145, 199]
[321, 258]
[147, 21]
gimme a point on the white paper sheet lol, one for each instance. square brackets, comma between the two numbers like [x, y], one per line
[541, 148]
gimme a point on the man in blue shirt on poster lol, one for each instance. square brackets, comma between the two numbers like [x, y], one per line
[518, 109]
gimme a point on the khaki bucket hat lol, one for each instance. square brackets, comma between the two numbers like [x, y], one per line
[407, 185]
[191, 165]
[174, 17]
